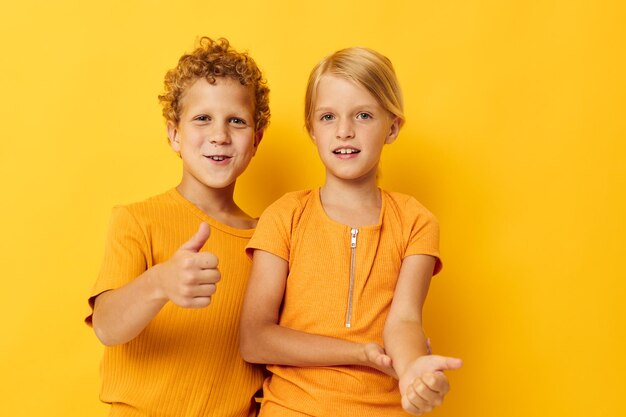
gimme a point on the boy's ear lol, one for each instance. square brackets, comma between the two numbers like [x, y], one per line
[258, 135]
[172, 134]
[394, 130]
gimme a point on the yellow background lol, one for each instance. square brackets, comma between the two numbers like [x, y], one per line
[515, 140]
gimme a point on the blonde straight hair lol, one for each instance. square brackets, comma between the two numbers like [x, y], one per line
[367, 68]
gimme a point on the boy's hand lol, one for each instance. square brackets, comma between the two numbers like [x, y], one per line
[376, 358]
[423, 385]
[188, 278]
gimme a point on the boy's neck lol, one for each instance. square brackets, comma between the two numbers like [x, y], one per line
[217, 203]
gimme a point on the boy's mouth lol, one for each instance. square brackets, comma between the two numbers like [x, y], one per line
[345, 151]
[217, 158]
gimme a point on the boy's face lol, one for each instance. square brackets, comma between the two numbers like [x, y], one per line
[216, 135]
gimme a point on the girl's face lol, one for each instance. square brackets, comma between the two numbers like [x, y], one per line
[349, 128]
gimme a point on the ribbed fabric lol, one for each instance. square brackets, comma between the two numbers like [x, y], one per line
[186, 362]
[319, 253]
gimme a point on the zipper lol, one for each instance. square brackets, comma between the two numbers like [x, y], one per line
[353, 235]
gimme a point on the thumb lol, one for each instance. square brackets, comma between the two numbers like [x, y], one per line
[441, 363]
[198, 240]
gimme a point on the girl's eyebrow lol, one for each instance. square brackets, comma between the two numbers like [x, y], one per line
[353, 108]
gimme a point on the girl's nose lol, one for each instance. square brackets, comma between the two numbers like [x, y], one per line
[344, 130]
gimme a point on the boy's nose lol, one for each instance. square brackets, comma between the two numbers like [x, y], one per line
[219, 136]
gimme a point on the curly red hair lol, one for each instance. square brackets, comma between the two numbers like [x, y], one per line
[211, 59]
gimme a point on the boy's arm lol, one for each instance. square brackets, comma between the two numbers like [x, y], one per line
[263, 340]
[422, 382]
[188, 279]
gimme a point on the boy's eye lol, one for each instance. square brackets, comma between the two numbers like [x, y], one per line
[364, 116]
[327, 117]
[237, 121]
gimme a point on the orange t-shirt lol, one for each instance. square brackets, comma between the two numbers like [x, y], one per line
[186, 362]
[340, 284]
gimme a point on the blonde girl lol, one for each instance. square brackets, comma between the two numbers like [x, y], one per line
[343, 270]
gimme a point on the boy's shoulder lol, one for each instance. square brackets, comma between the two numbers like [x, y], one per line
[167, 198]
[155, 208]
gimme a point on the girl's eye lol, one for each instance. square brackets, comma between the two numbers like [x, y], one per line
[327, 117]
[364, 116]
[202, 118]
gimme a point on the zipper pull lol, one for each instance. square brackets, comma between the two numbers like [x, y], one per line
[354, 232]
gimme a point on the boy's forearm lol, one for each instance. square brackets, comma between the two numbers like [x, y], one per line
[120, 315]
[404, 342]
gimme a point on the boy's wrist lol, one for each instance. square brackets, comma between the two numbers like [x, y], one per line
[153, 280]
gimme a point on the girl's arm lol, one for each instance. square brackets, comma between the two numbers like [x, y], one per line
[263, 340]
[422, 382]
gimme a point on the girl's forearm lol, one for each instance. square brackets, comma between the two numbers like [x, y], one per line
[278, 345]
[404, 342]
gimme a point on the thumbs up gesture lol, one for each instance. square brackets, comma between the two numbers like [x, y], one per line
[423, 385]
[189, 277]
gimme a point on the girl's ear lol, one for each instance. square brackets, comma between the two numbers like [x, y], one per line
[312, 136]
[172, 134]
[394, 130]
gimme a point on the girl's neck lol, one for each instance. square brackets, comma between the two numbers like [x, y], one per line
[354, 203]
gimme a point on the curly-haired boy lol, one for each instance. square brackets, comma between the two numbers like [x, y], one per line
[165, 311]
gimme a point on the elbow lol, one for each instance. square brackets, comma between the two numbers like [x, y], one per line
[250, 344]
[105, 337]
[247, 349]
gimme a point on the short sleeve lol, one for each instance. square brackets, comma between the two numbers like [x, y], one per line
[423, 237]
[125, 254]
[273, 231]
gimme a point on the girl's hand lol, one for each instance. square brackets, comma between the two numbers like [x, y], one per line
[375, 357]
[424, 385]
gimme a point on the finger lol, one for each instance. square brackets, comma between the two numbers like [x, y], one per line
[205, 290]
[437, 382]
[441, 363]
[409, 407]
[200, 302]
[207, 276]
[194, 302]
[426, 394]
[205, 260]
[198, 240]
[384, 360]
[416, 400]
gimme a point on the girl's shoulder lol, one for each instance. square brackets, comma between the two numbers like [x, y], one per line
[293, 201]
[406, 205]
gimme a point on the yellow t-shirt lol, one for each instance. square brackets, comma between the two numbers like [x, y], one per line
[340, 284]
[186, 362]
